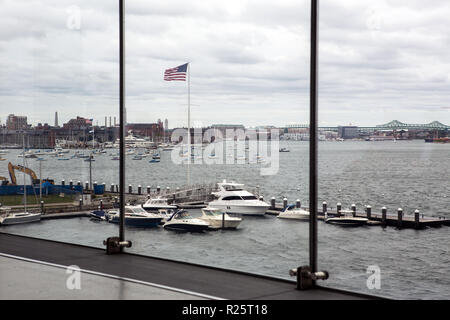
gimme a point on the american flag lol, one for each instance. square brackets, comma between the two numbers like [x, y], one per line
[176, 74]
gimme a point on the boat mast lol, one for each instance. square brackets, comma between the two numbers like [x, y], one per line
[23, 160]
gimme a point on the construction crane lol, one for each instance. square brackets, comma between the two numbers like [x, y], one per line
[31, 173]
[3, 181]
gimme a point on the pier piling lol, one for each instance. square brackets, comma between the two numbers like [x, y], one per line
[130, 189]
[399, 217]
[338, 208]
[139, 189]
[324, 207]
[79, 183]
[71, 184]
[101, 204]
[148, 189]
[383, 216]
[369, 212]
[63, 183]
[158, 189]
[298, 204]
[112, 187]
[42, 206]
[285, 202]
[417, 218]
[272, 203]
[354, 209]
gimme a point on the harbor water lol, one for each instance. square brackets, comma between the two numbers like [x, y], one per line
[413, 264]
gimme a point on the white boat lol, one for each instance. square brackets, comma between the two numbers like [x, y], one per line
[346, 219]
[8, 218]
[157, 203]
[291, 212]
[217, 219]
[181, 220]
[232, 198]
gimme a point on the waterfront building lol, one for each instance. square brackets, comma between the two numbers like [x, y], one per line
[14, 122]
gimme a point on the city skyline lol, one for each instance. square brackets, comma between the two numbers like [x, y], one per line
[378, 61]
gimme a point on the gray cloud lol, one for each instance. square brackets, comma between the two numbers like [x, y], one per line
[249, 60]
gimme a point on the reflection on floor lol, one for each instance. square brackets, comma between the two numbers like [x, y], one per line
[28, 280]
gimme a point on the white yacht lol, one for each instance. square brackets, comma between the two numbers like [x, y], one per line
[218, 219]
[132, 141]
[183, 221]
[291, 212]
[157, 203]
[232, 198]
[8, 218]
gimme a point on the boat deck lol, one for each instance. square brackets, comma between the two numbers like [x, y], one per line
[165, 279]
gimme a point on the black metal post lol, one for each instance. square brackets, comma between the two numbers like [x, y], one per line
[121, 120]
[313, 122]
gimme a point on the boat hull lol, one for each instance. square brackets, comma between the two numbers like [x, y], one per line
[346, 222]
[34, 217]
[186, 227]
[303, 217]
[247, 210]
[140, 222]
[227, 224]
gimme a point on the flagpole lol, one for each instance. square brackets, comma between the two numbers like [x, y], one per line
[189, 125]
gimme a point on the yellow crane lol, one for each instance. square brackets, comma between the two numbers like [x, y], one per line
[31, 173]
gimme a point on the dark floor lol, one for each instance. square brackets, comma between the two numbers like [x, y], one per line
[198, 279]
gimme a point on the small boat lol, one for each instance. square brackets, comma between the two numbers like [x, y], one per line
[64, 159]
[115, 158]
[156, 156]
[218, 219]
[8, 218]
[181, 220]
[137, 157]
[284, 150]
[153, 205]
[135, 216]
[291, 212]
[98, 214]
[346, 220]
[154, 161]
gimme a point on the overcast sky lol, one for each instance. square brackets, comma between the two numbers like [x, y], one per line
[379, 60]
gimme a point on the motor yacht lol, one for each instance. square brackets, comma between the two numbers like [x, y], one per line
[218, 219]
[291, 212]
[153, 205]
[135, 216]
[346, 219]
[232, 198]
[181, 220]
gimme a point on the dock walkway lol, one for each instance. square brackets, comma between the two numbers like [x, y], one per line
[202, 281]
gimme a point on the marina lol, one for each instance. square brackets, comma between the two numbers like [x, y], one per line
[246, 244]
[230, 201]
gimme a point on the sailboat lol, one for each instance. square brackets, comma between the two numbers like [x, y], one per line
[9, 218]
